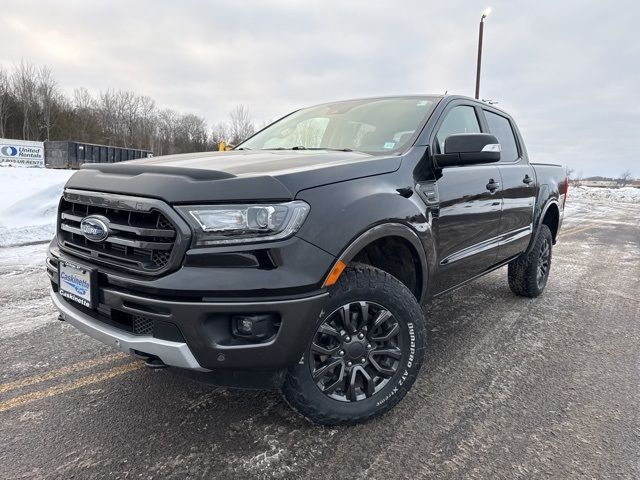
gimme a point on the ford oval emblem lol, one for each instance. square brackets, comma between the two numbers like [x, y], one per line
[95, 228]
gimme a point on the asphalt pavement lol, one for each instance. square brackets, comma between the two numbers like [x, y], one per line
[511, 387]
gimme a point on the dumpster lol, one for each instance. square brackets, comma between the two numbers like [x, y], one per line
[67, 154]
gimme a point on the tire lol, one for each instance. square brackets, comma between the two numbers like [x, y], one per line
[528, 274]
[378, 350]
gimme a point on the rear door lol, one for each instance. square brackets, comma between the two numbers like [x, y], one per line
[467, 219]
[518, 186]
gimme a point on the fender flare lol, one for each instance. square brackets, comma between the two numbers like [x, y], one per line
[543, 212]
[390, 230]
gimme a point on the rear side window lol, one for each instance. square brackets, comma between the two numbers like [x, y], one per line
[501, 128]
[460, 119]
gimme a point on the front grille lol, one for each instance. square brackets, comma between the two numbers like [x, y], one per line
[139, 240]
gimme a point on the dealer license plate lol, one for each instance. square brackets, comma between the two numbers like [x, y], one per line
[76, 283]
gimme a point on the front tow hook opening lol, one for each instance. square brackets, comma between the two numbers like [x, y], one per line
[151, 361]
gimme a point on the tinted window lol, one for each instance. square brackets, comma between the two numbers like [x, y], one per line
[501, 128]
[460, 119]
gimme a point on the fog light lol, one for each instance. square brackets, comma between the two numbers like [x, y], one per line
[257, 327]
[245, 326]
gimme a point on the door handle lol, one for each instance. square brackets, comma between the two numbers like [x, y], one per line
[527, 179]
[492, 186]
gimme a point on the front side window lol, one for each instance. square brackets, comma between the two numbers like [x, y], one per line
[460, 119]
[501, 128]
[377, 126]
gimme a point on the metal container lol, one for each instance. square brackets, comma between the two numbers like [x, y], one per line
[66, 154]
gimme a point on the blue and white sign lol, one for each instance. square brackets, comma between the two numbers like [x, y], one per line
[21, 153]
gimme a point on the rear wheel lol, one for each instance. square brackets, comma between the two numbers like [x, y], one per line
[528, 274]
[365, 353]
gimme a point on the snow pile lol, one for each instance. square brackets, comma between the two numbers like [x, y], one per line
[624, 194]
[29, 201]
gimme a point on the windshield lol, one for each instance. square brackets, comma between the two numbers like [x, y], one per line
[383, 125]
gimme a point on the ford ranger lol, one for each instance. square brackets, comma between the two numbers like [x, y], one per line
[300, 259]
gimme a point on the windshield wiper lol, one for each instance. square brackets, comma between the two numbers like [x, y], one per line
[323, 148]
[333, 149]
[302, 147]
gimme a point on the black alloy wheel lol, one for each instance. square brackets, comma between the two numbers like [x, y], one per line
[355, 351]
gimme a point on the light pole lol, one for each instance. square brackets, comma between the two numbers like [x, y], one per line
[485, 14]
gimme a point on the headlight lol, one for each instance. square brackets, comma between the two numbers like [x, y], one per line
[229, 224]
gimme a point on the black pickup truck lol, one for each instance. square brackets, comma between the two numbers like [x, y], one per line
[299, 260]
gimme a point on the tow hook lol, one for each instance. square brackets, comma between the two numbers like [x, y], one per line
[150, 361]
[155, 363]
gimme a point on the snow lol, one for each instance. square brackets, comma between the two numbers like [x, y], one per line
[624, 194]
[586, 203]
[30, 199]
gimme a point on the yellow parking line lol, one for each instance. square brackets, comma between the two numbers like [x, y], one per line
[67, 387]
[575, 230]
[76, 367]
[568, 231]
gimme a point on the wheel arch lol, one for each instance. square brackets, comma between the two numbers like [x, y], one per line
[550, 216]
[402, 244]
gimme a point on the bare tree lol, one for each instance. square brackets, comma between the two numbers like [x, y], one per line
[5, 101]
[107, 117]
[129, 106]
[221, 133]
[113, 116]
[241, 127]
[570, 172]
[46, 99]
[24, 82]
[85, 112]
[578, 180]
[191, 134]
[625, 178]
[146, 123]
[166, 131]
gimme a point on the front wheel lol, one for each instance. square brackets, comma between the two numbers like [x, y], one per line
[365, 353]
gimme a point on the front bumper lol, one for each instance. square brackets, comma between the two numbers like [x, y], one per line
[176, 354]
[191, 332]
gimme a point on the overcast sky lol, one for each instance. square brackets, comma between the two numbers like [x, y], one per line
[568, 71]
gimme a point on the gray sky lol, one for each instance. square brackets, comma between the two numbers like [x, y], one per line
[569, 71]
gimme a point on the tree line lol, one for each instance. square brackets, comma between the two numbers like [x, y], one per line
[33, 107]
[624, 179]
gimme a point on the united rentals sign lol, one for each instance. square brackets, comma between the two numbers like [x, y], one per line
[21, 153]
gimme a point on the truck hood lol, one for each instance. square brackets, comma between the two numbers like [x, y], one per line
[230, 176]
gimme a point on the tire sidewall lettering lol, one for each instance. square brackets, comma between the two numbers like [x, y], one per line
[410, 362]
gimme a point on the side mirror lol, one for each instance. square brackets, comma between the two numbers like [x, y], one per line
[468, 149]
